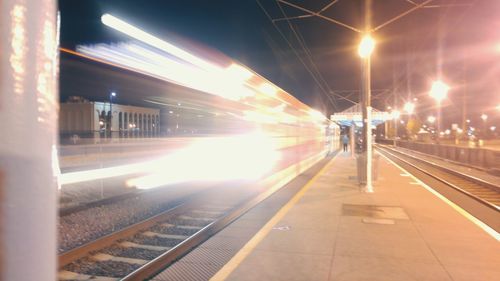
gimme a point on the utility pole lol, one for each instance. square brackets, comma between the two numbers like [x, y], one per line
[366, 92]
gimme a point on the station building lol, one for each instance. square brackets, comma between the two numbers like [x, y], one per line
[81, 118]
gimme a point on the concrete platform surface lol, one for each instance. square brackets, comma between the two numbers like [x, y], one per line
[333, 230]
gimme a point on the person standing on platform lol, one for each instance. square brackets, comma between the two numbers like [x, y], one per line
[345, 142]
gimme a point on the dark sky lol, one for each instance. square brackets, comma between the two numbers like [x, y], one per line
[462, 35]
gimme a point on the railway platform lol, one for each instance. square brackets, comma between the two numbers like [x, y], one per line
[328, 228]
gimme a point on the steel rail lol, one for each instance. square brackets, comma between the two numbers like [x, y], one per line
[469, 178]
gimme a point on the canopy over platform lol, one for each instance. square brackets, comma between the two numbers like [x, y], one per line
[354, 115]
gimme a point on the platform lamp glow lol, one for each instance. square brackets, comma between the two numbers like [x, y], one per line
[111, 96]
[395, 114]
[439, 92]
[409, 107]
[365, 49]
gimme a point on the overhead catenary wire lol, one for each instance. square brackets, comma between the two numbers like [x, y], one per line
[306, 50]
[291, 46]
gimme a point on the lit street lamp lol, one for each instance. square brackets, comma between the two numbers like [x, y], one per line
[365, 50]
[395, 116]
[409, 107]
[431, 119]
[484, 117]
[111, 96]
[439, 91]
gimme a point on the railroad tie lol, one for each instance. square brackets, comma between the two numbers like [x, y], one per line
[207, 212]
[69, 275]
[191, 227]
[161, 235]
[200, 219]
[127, 244]
[106, 257]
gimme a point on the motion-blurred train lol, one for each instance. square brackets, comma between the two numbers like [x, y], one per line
[218, 119]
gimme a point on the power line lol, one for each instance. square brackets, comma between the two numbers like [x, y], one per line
[306, 50]
[291, 46]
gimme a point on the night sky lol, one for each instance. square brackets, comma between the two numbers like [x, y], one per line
[460, 40]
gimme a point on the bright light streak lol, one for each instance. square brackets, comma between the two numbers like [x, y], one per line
[409, 107]
[395, 114]
[156, 42]
[151, 63]
[268, 89]
[239, 72]
[242, 157]
[439, 91]
[234, 158]
[317, 115]
[366, 46]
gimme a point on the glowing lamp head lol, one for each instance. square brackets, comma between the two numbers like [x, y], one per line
[431, 119]
[395, 114]
[113, 94]
[366, 46]
[439, 90]
[409, 107]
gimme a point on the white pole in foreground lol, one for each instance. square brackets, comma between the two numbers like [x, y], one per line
[28, 109]
[369, 150]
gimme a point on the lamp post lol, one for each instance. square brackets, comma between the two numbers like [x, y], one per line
[111, 96]
[484, 117]
[439, 91]
[395, 116]
[365, 50]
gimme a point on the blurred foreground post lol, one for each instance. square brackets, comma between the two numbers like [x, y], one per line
[28, 156]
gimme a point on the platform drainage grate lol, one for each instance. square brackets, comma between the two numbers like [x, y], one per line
[374, 211]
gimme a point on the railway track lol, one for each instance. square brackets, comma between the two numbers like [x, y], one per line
[486, 195]
[141, 250]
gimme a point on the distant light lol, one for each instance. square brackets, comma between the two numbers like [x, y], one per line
[171, 112]
[493, 128]
[113, 94]
[447, 131]
[484, 117]
[415, 99]
[179, 104]
[402, 122]
[441, 133]
[395, 114]
[439, 91]
[409, 107]
[431, 119]
[468, 120]
[498, 107]
[366, 46]
[268, 89]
